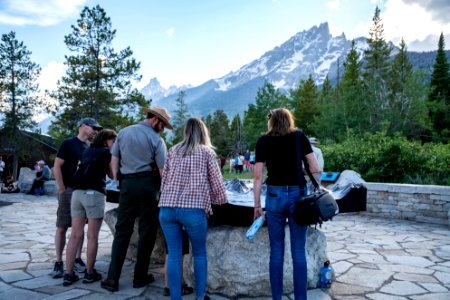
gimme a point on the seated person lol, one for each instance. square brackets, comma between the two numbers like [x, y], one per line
[10, 186]
[38, 184]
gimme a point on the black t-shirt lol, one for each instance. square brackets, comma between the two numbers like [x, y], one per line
[70, 151]
[278, 152]
[94, 166]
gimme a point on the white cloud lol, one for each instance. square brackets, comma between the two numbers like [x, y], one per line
[410, 22]
[333, 4]
[336, 30]
[38, 12]
[50, 74]
[170, 31]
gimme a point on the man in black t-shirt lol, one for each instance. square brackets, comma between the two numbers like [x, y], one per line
[66, 163]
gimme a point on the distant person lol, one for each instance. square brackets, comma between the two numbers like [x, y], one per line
[2, 168]
[317, 152]
[252, 161]
[223, 161]
[277, 150]
[43, 175]
[66, 163]
[247, 160]
[140, 152]
[88, 201]
[191, 182]
[10, 186]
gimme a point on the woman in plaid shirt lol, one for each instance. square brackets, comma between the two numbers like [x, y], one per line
[191, 181]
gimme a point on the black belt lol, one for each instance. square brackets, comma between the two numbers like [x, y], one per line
[136, 175]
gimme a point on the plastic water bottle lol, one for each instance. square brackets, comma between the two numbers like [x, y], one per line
[257, 224]
[325, 275]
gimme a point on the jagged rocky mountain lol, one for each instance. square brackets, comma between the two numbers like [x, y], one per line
[314, 51]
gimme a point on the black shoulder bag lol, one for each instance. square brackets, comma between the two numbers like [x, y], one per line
[319, 206]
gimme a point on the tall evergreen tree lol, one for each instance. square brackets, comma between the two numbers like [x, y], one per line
[18, 75]
[236, 138]
[376, 72]
[305, 101]
[219, 131]
[18, 99]
[406, 111]
[255, 118]
[439, 96]
[98, 79]
[180, 117]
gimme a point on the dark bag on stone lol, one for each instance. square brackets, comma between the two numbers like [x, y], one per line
[315, 208]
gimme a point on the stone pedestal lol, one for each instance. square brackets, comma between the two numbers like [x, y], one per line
[158, 254]
[26, 178]
[237, 266]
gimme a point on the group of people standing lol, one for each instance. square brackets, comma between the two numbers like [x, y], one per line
[175, 189]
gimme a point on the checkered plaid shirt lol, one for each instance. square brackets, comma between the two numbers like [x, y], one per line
[193, 181]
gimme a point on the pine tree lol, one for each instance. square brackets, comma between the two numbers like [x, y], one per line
[376, 72]
[98, 79]
[406, 110]
[235, 137]
[439, 96]
[18, 97]
[18, 75]
[219, 131]
[305, 100]
[255, 118]
[180, 117]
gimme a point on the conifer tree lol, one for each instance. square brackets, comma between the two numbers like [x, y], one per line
[305, 99]
[98, 79]
[406, 111]
[376, 72]
[219, 131]
[18, 99]
[180, 117]
[439, 96]
[255, 118]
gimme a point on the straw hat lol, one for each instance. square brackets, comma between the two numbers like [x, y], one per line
[161, 113]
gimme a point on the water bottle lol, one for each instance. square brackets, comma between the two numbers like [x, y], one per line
[325, 275]
[257, 224]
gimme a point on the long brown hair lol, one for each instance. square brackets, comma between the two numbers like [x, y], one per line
[102, 136]
[195, 133]
[281, 122]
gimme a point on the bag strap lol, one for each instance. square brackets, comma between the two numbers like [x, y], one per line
[300, 158]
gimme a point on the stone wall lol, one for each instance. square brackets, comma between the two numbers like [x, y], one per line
[421, 203]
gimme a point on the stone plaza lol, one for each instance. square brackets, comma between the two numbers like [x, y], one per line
[373, 258]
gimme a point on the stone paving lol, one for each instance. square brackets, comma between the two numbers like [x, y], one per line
[373, 258]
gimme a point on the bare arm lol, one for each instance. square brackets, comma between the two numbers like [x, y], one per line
[57, 172]
[257, 183]
[114, 166]
[314, 166]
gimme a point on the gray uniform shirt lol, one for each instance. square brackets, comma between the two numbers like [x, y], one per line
[137, 146]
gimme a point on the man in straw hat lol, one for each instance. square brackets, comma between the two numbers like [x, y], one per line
[139, 151]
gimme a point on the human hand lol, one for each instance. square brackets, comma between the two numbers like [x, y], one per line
[258, 212]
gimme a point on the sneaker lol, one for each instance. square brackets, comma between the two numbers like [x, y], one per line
[58, 270]
[92, 277]
[79, 265]
[70, 278]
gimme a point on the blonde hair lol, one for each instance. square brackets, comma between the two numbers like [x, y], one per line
[195, 133]
[281, 122]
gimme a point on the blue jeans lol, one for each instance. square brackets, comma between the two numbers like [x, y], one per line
[194, 221]
[280, 204]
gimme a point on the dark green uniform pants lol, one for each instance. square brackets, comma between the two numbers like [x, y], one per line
[138, 198]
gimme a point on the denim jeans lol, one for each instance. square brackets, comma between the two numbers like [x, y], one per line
[194, 221]
[280, 204]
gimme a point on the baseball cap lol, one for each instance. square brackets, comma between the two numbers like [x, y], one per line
[90, 122]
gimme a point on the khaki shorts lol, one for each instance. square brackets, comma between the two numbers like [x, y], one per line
[88, 203]
[63, 217]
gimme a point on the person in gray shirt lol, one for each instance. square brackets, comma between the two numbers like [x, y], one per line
[139, 153]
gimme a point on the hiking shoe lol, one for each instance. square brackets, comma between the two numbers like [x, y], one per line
[139, 283]
[79, 265]
[110, 285]
[92, 277]
[166, 292]
[70, 278]
[58, 270]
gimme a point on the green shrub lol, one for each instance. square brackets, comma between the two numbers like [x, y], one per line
[381, 158]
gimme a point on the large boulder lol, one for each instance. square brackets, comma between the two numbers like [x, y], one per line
[26, 178]
[158, 254]
[237, 266]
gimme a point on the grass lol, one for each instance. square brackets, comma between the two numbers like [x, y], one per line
[245, 175]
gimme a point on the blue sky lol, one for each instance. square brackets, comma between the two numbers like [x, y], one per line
[189, 42]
